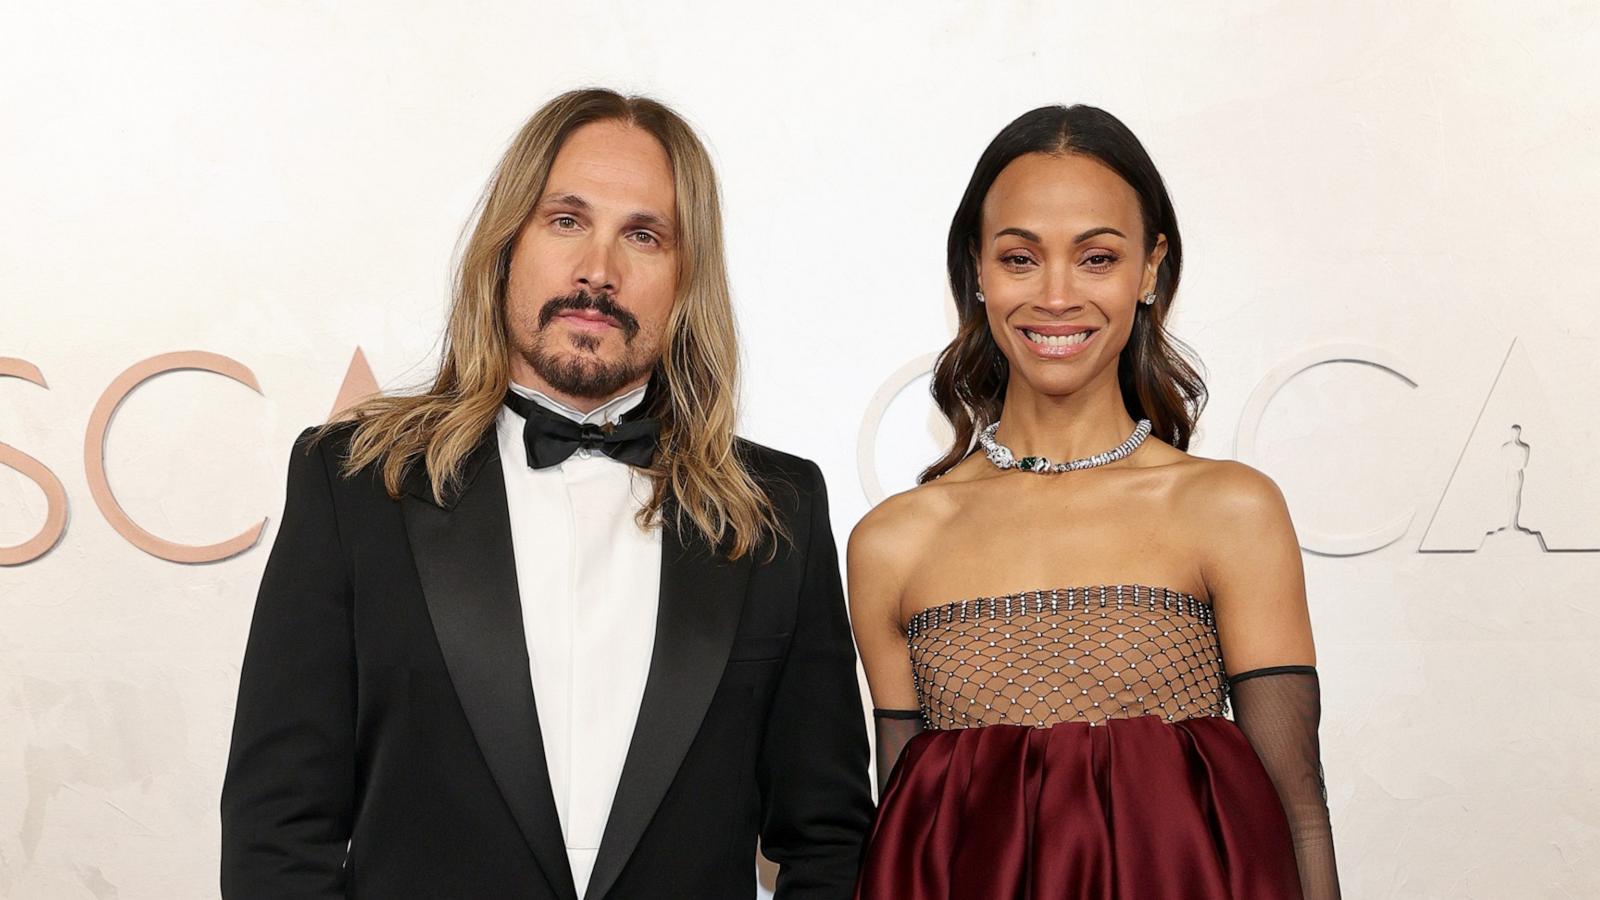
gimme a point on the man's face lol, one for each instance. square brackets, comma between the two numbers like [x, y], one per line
[595, 268]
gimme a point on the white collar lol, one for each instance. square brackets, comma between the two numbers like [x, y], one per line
[609, 411]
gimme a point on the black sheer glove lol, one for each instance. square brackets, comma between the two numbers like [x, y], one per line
[1278, 709]
[895, 728]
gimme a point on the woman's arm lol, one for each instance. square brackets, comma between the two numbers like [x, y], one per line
[1256, 580]
[877, 557]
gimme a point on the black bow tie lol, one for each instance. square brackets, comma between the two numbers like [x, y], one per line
[550, 437]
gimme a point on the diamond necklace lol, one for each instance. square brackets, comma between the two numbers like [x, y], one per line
[1000, 454]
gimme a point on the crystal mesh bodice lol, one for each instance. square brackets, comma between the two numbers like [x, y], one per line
[1070, 654]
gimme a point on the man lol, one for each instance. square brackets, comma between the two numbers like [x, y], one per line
[550, 629]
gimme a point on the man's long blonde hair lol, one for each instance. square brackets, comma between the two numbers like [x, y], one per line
[695, 390]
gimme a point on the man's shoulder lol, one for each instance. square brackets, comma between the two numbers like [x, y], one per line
[768, 461]
[327, 446]
[329, 440]
[336, 433]
[790, 481]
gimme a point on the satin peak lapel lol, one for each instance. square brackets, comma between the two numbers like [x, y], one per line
[702, 596]
[464, 558]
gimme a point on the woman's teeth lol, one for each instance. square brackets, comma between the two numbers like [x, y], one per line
[1057, 340]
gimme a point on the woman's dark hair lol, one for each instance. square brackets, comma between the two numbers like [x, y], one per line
[1158, 382]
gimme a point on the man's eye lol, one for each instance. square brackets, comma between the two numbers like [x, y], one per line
[565, 222]
[645, 237]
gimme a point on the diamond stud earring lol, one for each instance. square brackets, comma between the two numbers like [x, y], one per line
[1149, 298]
[979, 295]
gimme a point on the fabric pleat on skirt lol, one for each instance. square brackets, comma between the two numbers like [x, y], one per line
[1131, 809]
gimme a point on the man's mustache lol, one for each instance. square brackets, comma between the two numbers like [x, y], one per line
[602, 303]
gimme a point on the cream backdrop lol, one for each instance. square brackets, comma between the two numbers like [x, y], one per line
[1387, 210]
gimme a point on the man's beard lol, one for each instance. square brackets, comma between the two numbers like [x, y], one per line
[581, 374]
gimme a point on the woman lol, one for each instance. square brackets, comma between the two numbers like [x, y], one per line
[1054, 644]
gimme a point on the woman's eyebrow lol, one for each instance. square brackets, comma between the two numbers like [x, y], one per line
[1027, 235]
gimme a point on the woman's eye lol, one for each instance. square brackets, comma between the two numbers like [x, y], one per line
[1100, 260]
[565, 222]
[645, 237]
[1016, 259]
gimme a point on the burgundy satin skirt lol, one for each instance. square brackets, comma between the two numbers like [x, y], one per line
[1132, 809]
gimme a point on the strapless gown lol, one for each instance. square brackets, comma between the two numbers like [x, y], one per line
[1077, 747]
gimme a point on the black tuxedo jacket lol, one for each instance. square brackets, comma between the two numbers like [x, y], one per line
[386, 744]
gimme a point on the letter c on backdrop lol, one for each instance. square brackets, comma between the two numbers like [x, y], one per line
[1255, 408]
[94, 463]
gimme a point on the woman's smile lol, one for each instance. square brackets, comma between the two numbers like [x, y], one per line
[1057, 341]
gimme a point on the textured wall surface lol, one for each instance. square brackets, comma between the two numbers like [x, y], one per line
[1390, 281]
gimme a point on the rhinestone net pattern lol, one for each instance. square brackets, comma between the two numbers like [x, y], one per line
[1070, 654]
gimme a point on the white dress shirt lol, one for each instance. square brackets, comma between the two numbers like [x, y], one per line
[590, 580]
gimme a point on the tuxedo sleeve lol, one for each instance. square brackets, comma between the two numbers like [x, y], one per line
[287, 795]
[816, 803]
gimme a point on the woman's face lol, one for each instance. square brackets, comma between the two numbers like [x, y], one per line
[1062, 265]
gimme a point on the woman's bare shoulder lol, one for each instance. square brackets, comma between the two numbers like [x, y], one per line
[1232, 509]
[898, 526]
[1231, 488]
